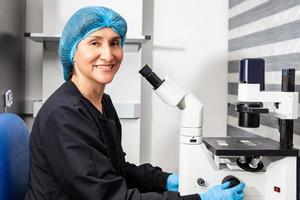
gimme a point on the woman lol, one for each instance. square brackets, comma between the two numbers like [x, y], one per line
[75, 143]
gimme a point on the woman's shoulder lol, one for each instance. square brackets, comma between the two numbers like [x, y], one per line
[66, 96]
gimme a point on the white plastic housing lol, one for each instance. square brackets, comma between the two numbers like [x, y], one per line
[170, 92]
[197, 162]
[192, 111]
[191, 132]
[288, 101]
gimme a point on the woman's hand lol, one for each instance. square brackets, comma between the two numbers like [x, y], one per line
[172, 183]
[222, 192]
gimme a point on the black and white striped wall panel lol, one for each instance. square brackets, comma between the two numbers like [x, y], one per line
[268, 29]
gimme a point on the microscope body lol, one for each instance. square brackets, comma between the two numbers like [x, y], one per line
[204, 162]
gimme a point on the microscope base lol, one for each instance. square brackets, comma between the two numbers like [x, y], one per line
[277, 182]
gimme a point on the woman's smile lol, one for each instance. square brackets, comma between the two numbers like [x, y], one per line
[104, 67]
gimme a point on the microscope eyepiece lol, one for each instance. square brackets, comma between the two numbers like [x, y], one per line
[151, 77]
[145, 71]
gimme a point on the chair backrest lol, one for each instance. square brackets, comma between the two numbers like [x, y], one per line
[14, 157]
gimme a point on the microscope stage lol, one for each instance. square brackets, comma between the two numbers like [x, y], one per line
[245, 146]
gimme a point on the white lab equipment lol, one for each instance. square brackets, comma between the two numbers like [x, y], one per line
[268, 168]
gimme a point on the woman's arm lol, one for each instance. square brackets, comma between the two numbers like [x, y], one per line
[146, 177]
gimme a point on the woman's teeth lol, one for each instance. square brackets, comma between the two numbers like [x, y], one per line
[104, 66]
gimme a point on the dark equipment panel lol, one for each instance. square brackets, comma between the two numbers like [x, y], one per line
[243, 146]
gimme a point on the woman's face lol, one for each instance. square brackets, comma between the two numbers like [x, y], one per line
[98, 57]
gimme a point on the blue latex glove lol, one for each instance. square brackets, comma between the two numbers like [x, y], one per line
[172, 183]
[222, 192]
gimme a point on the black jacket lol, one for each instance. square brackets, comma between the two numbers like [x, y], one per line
[76, 153]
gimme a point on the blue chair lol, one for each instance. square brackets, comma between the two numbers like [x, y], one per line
[14, 157]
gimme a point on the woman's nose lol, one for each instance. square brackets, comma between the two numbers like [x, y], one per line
[106, 53]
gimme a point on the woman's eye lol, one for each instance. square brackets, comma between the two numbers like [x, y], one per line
[95, 43]
[116, 43]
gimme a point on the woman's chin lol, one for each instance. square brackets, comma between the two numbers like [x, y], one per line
[105, 81]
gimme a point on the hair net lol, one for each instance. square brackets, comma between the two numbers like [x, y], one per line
[81, 24]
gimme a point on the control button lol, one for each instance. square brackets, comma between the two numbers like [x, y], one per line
[193, 140]
[201, 181]
[276, 189]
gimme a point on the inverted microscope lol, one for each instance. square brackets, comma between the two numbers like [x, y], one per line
[267, 167]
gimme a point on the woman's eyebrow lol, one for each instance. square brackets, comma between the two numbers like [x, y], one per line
[100, 37]
[97, 37]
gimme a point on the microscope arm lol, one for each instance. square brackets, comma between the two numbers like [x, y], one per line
[173, 95]
[287, 101]
[192, 109]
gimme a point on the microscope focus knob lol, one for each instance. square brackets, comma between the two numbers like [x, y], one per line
[201, 181]
[232, 180]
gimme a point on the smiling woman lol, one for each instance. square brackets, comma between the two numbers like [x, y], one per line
[96, 61]
[75, 143]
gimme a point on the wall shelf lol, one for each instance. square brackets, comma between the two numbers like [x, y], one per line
[125, 110]
[50, 42]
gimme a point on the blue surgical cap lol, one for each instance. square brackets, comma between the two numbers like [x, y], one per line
[81, 24]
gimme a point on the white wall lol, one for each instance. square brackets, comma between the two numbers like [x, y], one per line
[190, 44]
[56, 12]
